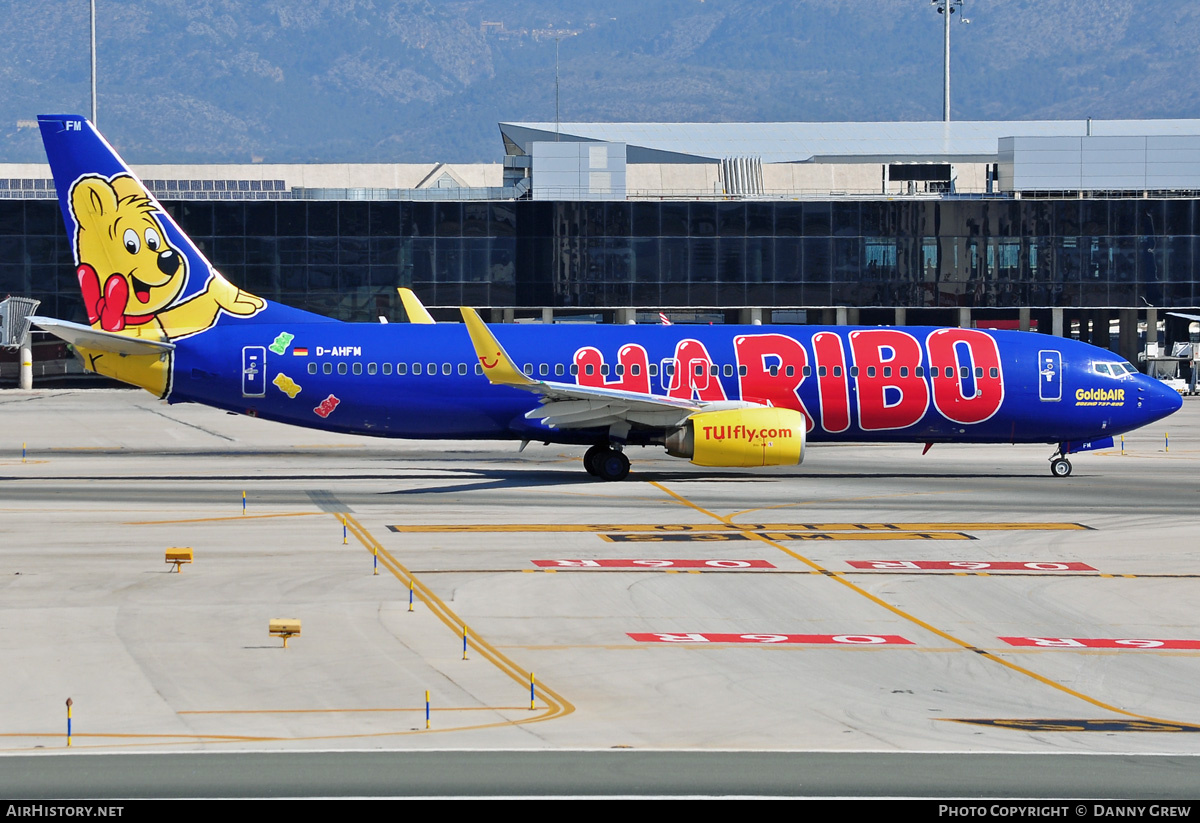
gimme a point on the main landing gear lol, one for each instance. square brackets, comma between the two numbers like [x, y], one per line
[1060, 466]
[606, 462]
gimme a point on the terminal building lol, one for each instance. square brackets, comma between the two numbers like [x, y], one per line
[1080, 227]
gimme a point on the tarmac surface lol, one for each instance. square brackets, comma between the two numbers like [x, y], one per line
[873, 600]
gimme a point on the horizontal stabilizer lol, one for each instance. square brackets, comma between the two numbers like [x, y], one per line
[98, 340]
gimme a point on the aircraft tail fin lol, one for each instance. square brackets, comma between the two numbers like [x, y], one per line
[139, 273]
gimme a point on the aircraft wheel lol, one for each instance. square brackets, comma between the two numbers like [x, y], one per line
[591, 457]
[612, 465]
[1060, 467]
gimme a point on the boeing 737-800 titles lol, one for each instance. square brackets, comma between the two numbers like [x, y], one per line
[160, 317]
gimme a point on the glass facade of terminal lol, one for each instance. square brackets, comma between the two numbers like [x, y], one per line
[345, 259]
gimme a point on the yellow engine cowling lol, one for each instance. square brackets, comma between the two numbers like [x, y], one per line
[763, 436]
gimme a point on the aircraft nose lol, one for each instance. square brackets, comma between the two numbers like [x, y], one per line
[1158, 399]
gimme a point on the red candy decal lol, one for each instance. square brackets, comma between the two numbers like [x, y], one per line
[327, 406]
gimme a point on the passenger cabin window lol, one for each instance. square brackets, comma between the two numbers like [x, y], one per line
[528, 368]
[773, 371]
[853, 371]
[619, 369]
[558, 369]
[870, 371]
[887, 371]
[604, 369]
[387, 368]
[978, 371]
[728, 370]
[654, 370]
[964, 372]
[401, 368]
[416, 368]
[543, 370]
[575, 368]
[837, 371]
[327, 368]
[462, 368]
[479, 368]
[821, 370]
[342, 368]
[790, 371]
[589, 369]
[447, 368]
[920, 371]
[431, 368]
[993, 372]
[312, 368]
[372, 368]
[806, 371]
[742, 371]
[904, 371]
[714, 370]
[357, 368]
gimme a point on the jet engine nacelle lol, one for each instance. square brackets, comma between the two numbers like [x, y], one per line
[763, 436]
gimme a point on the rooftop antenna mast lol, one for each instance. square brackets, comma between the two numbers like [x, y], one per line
[558, 35]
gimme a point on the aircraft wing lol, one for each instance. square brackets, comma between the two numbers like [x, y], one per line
[570, 406]
[99, 340]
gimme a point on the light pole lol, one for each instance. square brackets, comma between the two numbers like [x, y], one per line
[557, 40]
[93, 8]
[947, 8]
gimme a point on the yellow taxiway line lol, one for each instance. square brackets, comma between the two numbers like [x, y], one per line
[556, 704]
[916, 620]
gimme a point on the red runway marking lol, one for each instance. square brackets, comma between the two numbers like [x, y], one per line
[622, 563]
[1100, 643]
[710, 637]
[980, 565]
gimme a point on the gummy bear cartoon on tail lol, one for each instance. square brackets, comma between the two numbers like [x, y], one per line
[132, 278]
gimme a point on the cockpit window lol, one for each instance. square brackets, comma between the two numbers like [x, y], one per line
[1114, 369]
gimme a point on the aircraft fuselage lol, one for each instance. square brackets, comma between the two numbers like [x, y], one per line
[915, 384]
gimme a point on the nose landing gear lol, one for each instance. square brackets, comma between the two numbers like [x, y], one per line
[1060, 466]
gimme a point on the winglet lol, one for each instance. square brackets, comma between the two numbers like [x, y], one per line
[414, 308]
[497, 365]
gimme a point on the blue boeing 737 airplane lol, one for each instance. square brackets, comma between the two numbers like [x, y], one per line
[160, 317]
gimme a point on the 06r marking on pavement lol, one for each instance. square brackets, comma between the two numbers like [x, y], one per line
[972, 565]
[761, 639]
